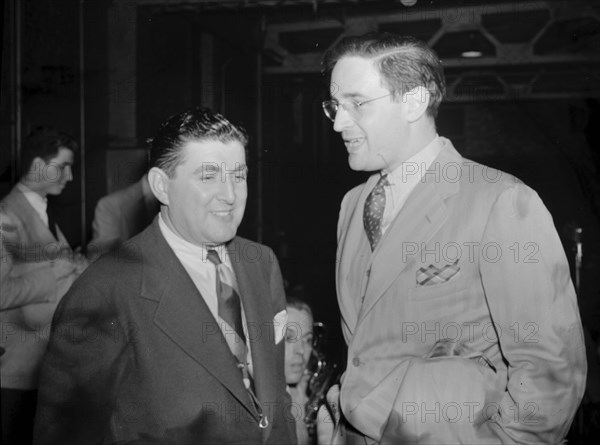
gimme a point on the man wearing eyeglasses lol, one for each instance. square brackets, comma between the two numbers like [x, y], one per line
[457, 305]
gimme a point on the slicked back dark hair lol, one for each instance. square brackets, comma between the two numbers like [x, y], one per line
[196, 124]
[403, 62]
[44, 142]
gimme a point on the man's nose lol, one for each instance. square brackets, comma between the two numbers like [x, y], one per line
[227, 190]
[299, 347]
[68, 173]
[342, 120]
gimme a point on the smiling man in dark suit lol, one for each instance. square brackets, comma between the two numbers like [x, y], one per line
[176, 337]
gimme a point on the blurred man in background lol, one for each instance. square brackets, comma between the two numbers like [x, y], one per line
[37, 268]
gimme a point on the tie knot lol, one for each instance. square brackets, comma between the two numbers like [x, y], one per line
[383, 181]
[213, 257]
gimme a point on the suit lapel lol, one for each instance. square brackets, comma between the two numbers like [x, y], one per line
[351, 236]
[35, 227]
[423, 214]
[183, 315]
[254, 295]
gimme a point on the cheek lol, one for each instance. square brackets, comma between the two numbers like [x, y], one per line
[288, 353]
[307, 352]
[242, 191]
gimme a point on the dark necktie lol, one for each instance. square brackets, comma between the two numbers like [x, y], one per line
[373, 211]
[230, 312]
[228, 298]
[51, 220]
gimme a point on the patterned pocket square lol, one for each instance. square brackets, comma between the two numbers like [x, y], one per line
[431, 275]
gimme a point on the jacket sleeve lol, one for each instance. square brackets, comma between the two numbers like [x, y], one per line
[86, 358]
[533, 306]
[35, 285]
[105, 228]
[25, 284]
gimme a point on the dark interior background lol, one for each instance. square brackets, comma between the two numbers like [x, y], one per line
[109, 72]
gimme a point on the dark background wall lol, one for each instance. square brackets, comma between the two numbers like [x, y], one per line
[109, 72]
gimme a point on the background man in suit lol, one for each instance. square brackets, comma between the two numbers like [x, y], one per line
[121, 215]
[178, 338]
[457, 305]
[37, 267]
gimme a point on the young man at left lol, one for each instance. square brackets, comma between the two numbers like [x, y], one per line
[37, 268]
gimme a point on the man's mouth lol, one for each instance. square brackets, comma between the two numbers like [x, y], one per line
[222, 213]
[352, 143]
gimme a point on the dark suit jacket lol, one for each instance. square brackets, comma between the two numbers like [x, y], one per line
[135, 355]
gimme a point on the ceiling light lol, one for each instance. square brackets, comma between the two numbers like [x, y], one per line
[471, 54]
[474, 48]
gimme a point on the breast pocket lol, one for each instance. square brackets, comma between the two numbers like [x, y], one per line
[449, 290]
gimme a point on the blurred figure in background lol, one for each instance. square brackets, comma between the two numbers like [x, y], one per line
[121, 215]
[38, 267]
[298, 350]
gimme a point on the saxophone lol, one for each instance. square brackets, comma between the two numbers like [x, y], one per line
[324, 376]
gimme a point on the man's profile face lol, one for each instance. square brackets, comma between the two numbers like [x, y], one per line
[207, 194]
[51, 177]
[374, 137]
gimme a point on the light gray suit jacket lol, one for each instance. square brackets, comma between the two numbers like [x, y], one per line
[119, 216]
[31, 288]
[509, 352]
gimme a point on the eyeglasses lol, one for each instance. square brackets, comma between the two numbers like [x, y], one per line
[331, 107]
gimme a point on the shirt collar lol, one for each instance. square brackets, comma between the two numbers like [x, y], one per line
[414, 168]
[36, 201]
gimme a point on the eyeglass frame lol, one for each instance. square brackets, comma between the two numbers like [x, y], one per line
[356, 105]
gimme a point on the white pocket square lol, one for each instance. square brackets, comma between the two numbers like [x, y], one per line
[279, 325]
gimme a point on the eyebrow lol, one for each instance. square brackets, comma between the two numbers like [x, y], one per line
[353, 96]
[215, 167]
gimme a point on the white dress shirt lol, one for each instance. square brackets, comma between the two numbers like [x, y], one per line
[203, 273]
[404, 178]
[39, 204]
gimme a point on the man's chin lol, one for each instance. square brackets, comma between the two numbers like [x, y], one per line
[54, 192]
[224, 236]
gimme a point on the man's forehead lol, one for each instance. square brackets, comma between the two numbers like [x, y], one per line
[213, 156]
[353, 76]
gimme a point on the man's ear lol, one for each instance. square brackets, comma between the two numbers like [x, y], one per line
[159, 184]
[37, 164]
[417, 101]
[36, 171]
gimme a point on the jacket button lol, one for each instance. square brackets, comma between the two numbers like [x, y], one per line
[356, 361]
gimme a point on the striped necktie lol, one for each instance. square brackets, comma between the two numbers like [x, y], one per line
[230, 311]
[228, 299]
